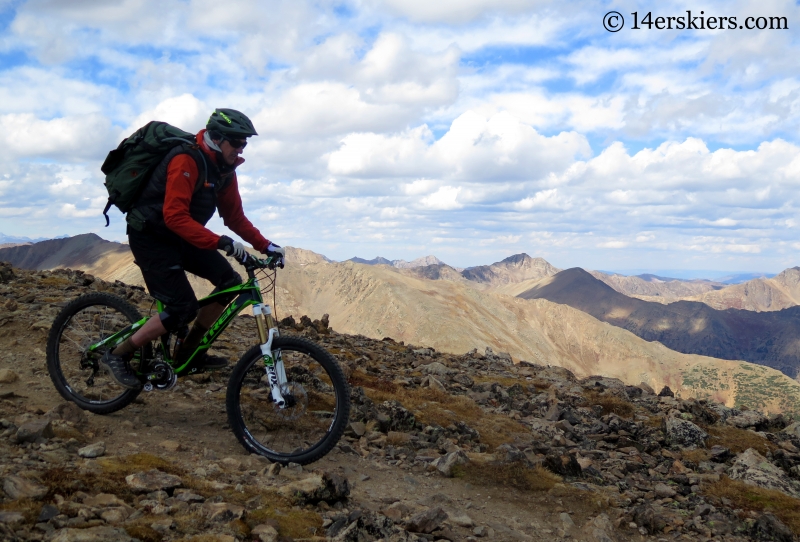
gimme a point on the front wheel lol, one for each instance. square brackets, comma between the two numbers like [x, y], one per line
[317, 396]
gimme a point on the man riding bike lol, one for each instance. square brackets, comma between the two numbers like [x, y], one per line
[167, 235]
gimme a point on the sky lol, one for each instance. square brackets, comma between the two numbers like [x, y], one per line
[471, 130]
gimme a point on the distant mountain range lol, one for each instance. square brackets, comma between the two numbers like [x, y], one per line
[400, 264]
[458, 310]
[17, 239]
[767, 338]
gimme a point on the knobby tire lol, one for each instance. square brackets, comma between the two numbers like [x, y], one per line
[324, 390]
[98, 301]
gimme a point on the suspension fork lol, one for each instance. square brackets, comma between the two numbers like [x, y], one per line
[267, 331]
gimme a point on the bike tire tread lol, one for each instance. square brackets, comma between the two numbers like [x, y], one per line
[53, 364]
[338, 380]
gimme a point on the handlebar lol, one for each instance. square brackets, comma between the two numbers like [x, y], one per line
[251, 263]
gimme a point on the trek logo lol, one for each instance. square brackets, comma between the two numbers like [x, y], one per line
[221, 321]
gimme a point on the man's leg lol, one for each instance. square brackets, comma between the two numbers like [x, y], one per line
[212, 266]
[160, 262]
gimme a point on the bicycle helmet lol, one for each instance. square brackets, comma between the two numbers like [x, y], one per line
[230, 123]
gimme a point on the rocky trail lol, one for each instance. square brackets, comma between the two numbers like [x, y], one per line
[440, 447]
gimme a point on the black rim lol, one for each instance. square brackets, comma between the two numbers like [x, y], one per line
[302, 428]
[79, 369]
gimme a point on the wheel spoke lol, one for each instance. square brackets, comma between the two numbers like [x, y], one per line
[314, 418]
[84, 322]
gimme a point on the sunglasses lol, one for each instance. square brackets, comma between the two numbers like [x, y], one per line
[236, 143]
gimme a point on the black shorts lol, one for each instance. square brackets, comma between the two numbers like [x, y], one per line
[164, 260]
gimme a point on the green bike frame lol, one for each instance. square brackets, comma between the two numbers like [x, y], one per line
[249, 294]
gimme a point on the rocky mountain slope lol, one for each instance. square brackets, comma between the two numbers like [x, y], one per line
[767, 338]
[653, 288]
[455, 316]
[401, 264]
[440, 447]
[762, 294]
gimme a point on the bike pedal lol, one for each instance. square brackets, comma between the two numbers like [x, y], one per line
[147, 386]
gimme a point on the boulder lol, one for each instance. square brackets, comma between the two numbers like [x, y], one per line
[792, 429]
[396, 417]
[7, 376]
[222, 512]
[152, 480]
[322, 486]
[264, 533]
[664, 491]
[768, 527]
[17, 487]
[437, 368]
[600, 529]
[684, 433]
[427, 521]
[753, 468]
[747, 419]
[647, 517]
[34, 430]
[96, 449]
[446, 463]
[666, 392]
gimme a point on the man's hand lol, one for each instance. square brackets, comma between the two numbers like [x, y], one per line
[231, 247]
[273, 248]
[276, 250]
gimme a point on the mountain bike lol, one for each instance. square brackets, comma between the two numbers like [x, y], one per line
[287, 398]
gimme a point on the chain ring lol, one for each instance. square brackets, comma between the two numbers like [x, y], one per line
[168, 381]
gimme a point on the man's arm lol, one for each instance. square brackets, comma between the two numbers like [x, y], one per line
[229, 203]
[181, 181]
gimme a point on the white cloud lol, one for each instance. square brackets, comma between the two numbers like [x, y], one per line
[184, 111]
[67, 138]
[444, 199]
[443, 123]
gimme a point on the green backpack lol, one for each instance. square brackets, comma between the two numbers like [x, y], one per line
[129, 166]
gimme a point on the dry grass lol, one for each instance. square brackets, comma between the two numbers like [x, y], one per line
[66, 432]
[396, 438]
[748, 497]
[55, 281]
[432, 406]
[502, 380]
[292, 522]
[65, 482]
[738, 440]
[513, 475]
[360, 378]
[611, 404]
[696, 456]
[27, 507]
[141, 529]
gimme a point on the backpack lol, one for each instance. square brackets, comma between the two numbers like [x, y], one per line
[131, 164]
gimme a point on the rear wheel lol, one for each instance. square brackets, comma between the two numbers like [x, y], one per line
[316, 393]
[73, 368]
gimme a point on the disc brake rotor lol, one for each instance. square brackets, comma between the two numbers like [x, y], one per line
[296, 399]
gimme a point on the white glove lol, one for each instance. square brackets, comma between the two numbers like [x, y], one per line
[238, 251]
[276, 248]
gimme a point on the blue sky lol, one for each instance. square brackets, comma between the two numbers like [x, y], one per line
[471, 130]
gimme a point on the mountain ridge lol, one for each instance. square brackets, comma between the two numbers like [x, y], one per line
[691, 327]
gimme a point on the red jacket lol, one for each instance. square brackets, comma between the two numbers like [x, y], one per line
[181, 181]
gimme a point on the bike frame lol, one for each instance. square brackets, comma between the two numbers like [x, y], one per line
[249, 295]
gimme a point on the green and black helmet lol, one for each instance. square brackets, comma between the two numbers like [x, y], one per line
[230, 123]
